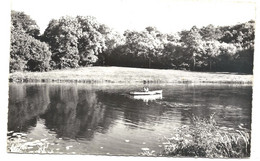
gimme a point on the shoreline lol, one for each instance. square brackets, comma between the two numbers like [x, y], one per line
[125, 75]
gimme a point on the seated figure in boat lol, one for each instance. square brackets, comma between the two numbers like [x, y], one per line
[145, 89]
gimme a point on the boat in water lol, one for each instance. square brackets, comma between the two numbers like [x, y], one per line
[154, 92]
[146, 98]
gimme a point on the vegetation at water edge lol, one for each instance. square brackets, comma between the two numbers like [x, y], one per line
[16, 143]
[203, 138]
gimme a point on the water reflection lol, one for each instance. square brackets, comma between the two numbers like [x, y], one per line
[75, 113]
[26, 103]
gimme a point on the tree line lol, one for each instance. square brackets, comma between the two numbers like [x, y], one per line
[71, 42]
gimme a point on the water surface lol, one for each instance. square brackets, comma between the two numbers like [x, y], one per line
[104, 119]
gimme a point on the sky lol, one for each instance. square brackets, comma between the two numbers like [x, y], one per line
[167, 15]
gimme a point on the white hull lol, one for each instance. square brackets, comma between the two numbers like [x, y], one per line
[147, 93]
[146, 98]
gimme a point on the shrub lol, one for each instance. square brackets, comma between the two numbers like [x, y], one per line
[205, 139]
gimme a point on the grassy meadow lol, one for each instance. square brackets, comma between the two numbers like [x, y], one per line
[129, 75]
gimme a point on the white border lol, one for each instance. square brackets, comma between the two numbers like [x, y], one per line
[4, 37]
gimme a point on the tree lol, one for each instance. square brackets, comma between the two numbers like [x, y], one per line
[211, 50]
[157, 40]
[242, 36]
[192, 42]
[145, 47]
[112, 41]
[75, 41]
[91, 42]
[26, 52]
[174, 56]
[226, 57]
[24, 23]
[62, 35]
[210, 33]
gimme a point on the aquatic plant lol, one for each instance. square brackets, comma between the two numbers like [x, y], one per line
[16, 143]
[205, 139]
[147, 152]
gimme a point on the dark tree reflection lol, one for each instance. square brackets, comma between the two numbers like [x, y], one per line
[26, 103]
[75, 113]
[134, 112]
[61, 112]
[90, 114]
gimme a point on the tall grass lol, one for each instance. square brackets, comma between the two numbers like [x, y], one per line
[205, 139]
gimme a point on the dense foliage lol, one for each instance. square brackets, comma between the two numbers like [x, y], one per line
[207, 49]
[74, 41]
[21, 21]
[83, 41]
[26, 52]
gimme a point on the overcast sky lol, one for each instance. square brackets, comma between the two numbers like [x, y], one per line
[166, 15]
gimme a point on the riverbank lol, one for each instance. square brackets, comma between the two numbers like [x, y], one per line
[128, 75]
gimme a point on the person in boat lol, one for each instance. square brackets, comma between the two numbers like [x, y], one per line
[145, 89]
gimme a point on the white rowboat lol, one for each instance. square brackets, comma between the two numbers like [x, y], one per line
[146, 98]
[147, 93]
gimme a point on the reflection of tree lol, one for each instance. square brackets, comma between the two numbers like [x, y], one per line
[75, 113]
[61, 112]
[79, 113]
[90, 114]
[135, 112]
[26, 102]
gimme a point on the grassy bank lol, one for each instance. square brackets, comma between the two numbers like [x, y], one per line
[128, 75]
